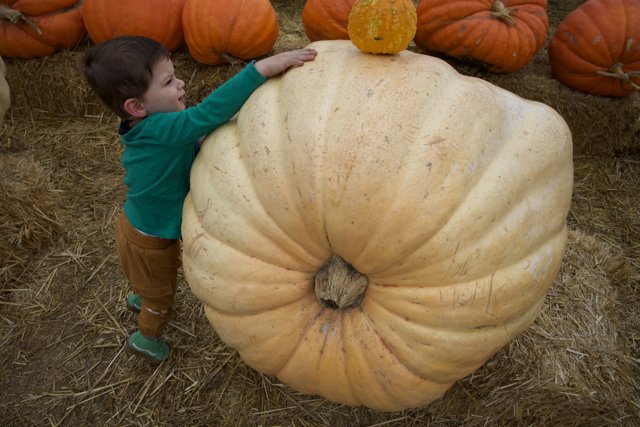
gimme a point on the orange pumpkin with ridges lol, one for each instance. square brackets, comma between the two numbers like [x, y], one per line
[35, 28]
[502, 35]
[244, 29]
[596, 48]
[326, 19]
[160, 20]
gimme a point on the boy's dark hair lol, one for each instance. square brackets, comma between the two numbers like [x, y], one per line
[121, 68]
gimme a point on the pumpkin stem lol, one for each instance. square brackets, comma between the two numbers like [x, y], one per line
[233, 60]
[16, 17]
[339, 285]
[617, 72]
[502, 13]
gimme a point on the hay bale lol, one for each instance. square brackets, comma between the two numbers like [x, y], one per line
[29, 202]
[606, 201]
[583, 335]
[51, 85]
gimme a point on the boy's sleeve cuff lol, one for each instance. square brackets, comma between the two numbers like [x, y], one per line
[255, 74]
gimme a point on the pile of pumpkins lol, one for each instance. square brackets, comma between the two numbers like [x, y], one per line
[33, 28]
[596, 49]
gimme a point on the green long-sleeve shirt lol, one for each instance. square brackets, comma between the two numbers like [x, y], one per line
[159, 151]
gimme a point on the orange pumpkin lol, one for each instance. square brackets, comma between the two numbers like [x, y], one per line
[504, 35]
[326, 19]
[34, 28]
[160, 20]
[596, 48]
[244, 29]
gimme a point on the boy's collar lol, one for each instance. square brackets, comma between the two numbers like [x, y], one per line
[128, 124]
[124, 127]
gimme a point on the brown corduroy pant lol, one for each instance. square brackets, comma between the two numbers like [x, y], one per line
[150, 264]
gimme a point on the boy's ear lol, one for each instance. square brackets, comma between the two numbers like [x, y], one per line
[134, 108]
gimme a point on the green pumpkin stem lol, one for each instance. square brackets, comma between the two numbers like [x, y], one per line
[617, 72]
[233, 60]
[502, 13]
[16, 17]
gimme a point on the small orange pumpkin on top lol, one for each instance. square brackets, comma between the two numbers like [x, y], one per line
[382, 26]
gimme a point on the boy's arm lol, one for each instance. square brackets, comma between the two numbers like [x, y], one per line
[225, 101]
[219, 106]
[276, 64]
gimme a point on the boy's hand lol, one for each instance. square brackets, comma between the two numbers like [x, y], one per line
[276, 64]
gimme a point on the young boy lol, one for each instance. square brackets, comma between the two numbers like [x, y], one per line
[135, 78]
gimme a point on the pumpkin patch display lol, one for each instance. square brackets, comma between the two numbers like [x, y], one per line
[382, 26]
[326, 19]
[160, 20]
[216, 29]
[5, 98]
[35, 28]
[596, 48]
[502, 35]
[376, 240]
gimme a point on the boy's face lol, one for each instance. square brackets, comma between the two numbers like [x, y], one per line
[166, 91]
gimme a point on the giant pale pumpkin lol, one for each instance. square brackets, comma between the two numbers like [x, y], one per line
[34, 28]
[502, 35]
[596, 48]
[5, 98]
[160, 20]
[326, 19]
[382, 236]
[217, 29]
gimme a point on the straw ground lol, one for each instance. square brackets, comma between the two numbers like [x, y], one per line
[62, 318]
